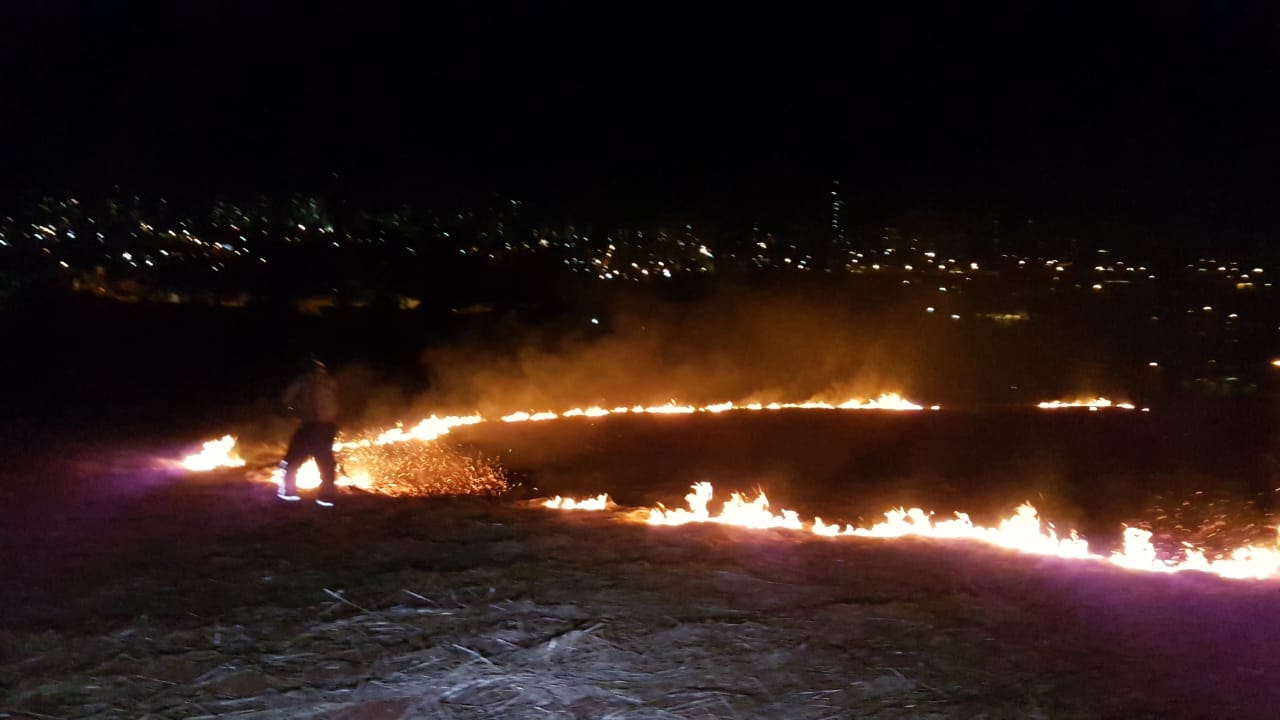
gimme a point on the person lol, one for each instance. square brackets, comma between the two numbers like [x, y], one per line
[313, 396]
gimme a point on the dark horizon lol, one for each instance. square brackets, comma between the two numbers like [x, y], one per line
[1154, 124]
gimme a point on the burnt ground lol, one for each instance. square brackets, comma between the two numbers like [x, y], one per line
[135, 591]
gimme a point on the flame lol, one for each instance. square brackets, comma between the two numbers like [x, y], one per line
[525, 417]
[886, 401]
[890, 401]
[599, 502]
[670, 408]
[589, 412]
[1243, 563]
[360, 473]
[221, 452]
[214, 454]
[736, 511]
[308, 477]
[426, 430]
[1023, 532]
[1092, 403]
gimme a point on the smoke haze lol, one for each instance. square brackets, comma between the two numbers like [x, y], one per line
[784, 346]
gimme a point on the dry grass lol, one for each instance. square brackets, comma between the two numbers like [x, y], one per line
[205, 597]
[477, 609]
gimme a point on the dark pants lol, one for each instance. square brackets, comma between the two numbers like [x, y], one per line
[312, 439]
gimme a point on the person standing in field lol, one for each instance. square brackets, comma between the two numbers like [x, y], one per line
[313, 396]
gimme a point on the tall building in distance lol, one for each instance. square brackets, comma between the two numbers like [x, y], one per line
[837, 216]
[837, 249]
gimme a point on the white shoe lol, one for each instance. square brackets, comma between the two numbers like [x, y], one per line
[324, 503]
[288, 498]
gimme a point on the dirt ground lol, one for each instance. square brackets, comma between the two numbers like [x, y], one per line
[135, 591]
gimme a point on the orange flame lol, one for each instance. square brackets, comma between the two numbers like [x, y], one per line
[599, 502]
[736, 511]
[1022, 532]
[886, 401]
[1094, 404]
[426, 430]
[214, 454]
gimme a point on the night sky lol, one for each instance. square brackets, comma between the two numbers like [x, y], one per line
[1159, 119]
